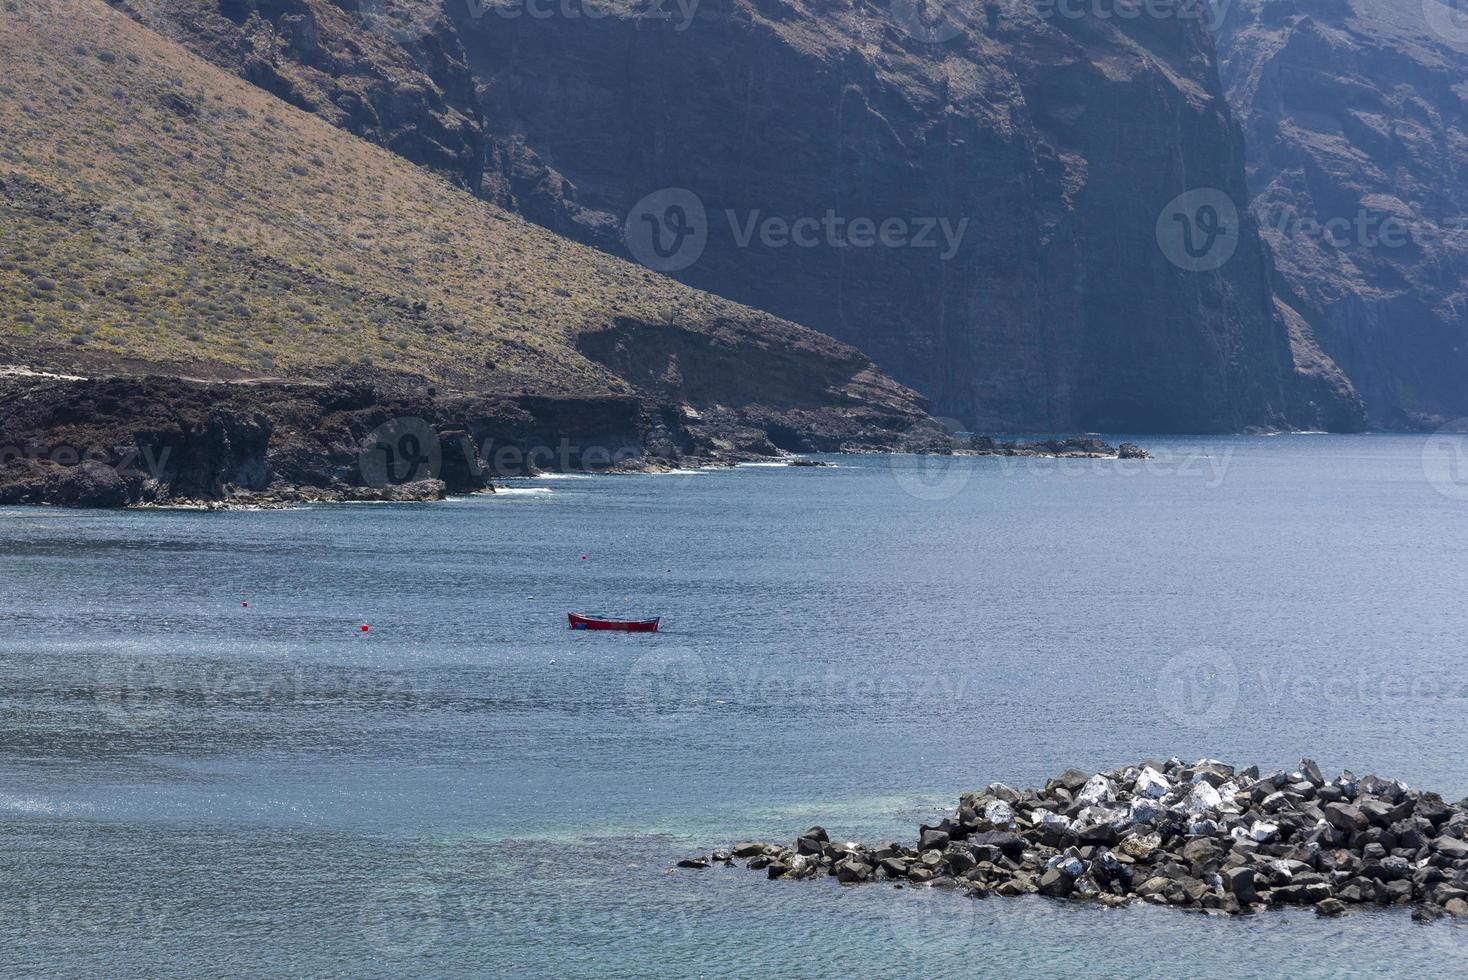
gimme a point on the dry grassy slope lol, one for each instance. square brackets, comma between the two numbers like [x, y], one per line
[159, 214]
[399, 82]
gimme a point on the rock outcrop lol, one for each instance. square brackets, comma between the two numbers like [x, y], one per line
[1205, 837]
[1078, 447]
[1355, 115]
[119, 442]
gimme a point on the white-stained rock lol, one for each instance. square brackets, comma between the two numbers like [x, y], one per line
[1098, 789]
[1151, 784]
[1202, 799]
[999, 812]
[1264, 831]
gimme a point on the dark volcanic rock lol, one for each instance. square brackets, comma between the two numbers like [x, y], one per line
[1207, 837]
[125, 441]
[1356, 117]
[1074, 447]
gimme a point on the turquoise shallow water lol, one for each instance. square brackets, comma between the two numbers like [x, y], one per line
[189, 785]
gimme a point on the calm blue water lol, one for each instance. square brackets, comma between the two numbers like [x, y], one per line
[190, 785]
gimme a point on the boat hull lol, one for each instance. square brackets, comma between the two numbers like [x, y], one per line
[580, 622]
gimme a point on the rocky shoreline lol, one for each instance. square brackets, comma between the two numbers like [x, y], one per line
[1205, 837]
[206, 445]
[1073, 448]
[171, 442]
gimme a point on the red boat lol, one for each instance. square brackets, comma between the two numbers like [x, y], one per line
[580, 622]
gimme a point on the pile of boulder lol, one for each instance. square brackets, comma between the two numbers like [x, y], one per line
[1206, 836]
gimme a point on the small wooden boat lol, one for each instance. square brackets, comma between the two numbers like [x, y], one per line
[580, 622]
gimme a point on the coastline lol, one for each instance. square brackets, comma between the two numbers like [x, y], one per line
[172, 443]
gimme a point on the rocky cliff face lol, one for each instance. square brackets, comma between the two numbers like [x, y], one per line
[113, 442]
[1020, 164]
[1354, 113]
[389, 71]
[971, 195]
[162, 218]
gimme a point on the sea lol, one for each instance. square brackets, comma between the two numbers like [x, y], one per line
[360, 740]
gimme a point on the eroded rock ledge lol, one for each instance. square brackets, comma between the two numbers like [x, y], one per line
[163, 441]
[1206, 837]
[1071, 448]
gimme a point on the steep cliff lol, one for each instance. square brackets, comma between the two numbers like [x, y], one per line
[1356, 117]
[1021, 162]
[974, 192]
[159, 216]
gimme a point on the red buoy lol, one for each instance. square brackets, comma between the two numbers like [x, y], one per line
[245, 604]
[583, 557]
[364, 627]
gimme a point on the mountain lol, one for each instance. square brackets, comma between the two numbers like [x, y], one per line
[1356, 118]
[1022, 162]
[1053, 143]
[163, 217]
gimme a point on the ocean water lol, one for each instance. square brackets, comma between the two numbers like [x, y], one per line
[191, 785]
